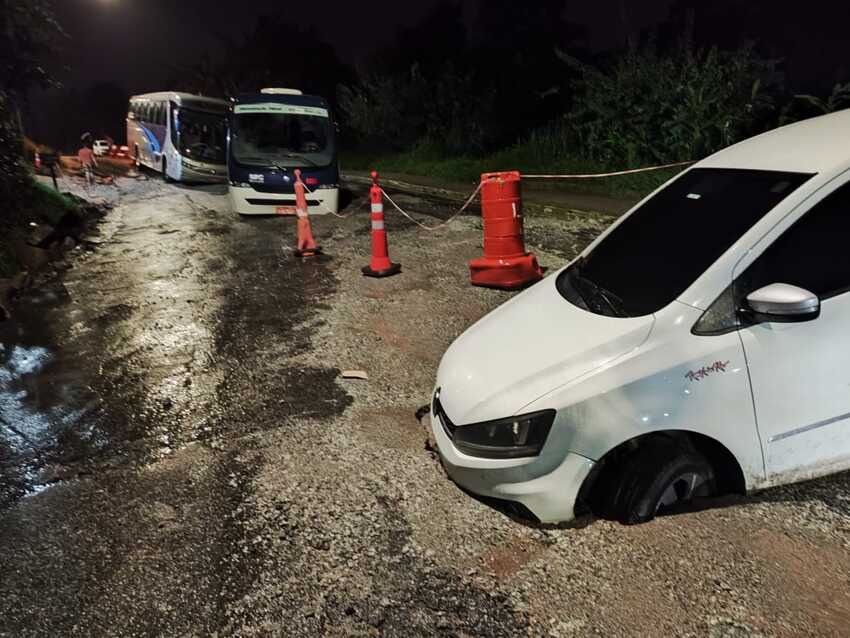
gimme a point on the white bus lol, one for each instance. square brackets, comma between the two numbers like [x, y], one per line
[273, 133]
[180, 135]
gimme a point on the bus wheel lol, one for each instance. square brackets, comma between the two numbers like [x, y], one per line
[165, 176]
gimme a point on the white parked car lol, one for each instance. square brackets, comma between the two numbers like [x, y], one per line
[699, 346]
[100, 147]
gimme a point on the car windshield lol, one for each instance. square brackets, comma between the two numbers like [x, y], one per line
[659, 250]
[202, 136]
[281, 135]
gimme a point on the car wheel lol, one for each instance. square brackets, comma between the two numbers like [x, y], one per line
[658, 477]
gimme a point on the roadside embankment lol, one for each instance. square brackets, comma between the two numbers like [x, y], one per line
[35, 231]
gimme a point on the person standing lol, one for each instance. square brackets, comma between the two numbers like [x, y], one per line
[88, 161]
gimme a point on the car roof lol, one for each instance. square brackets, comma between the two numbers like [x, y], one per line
[817, 145]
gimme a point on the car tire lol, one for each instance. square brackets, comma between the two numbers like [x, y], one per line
[657, 477]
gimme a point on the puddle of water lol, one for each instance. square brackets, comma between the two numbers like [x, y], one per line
[37, 406]
[24, 427]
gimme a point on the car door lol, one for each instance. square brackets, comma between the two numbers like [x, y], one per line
[800, 372]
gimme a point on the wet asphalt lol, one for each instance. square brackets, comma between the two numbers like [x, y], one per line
[130, 391]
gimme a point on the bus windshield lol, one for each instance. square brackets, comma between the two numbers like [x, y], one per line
[281, 135]
[201, 136]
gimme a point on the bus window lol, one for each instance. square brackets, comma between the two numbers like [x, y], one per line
[202, 136]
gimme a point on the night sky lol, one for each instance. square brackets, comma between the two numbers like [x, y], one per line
[117, 48]
[134, 42]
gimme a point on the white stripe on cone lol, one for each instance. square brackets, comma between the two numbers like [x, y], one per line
[377, 208]
[376, 225]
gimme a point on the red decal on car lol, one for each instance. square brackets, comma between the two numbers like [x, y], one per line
[702, 373]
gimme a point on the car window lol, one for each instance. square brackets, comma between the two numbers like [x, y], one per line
[812, 254]
[659, 250]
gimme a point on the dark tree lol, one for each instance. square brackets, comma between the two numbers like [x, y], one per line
[439, 39]
[812, 42]
[519, 44]
[275, 54]
[28, 33]
[28, 38]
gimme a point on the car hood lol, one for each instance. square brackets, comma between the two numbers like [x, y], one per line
[526, 348]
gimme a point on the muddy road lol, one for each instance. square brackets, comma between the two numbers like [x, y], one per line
[179, 456]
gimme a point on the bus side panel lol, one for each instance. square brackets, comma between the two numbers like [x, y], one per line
[139, 143]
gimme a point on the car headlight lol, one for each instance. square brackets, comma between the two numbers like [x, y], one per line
[511, 438]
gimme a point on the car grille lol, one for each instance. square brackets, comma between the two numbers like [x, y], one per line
[448, 427]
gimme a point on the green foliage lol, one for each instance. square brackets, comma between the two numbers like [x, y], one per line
[802, 106]
[13, 174]
[28, 37]
[28, 32]
[30, 201]
[650, 108]
[46, 205]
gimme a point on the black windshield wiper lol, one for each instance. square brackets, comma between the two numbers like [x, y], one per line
[614, 302]
[263, 160]
[302, 158]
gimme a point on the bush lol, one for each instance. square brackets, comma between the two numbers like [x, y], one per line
[399, 112]
[650, 108]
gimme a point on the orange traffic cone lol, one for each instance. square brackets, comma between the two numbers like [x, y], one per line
[380, 264]
[307, 246]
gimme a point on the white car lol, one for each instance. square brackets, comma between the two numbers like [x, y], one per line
[100, 147]
[699, 346]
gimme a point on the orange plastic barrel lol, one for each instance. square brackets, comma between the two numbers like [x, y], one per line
[505, 263]
[501, 212]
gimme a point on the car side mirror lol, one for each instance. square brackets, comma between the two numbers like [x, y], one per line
[782, 303]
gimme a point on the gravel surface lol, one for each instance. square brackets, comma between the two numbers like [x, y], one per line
[194, 464]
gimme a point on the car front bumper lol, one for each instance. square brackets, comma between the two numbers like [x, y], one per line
[549, 494]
